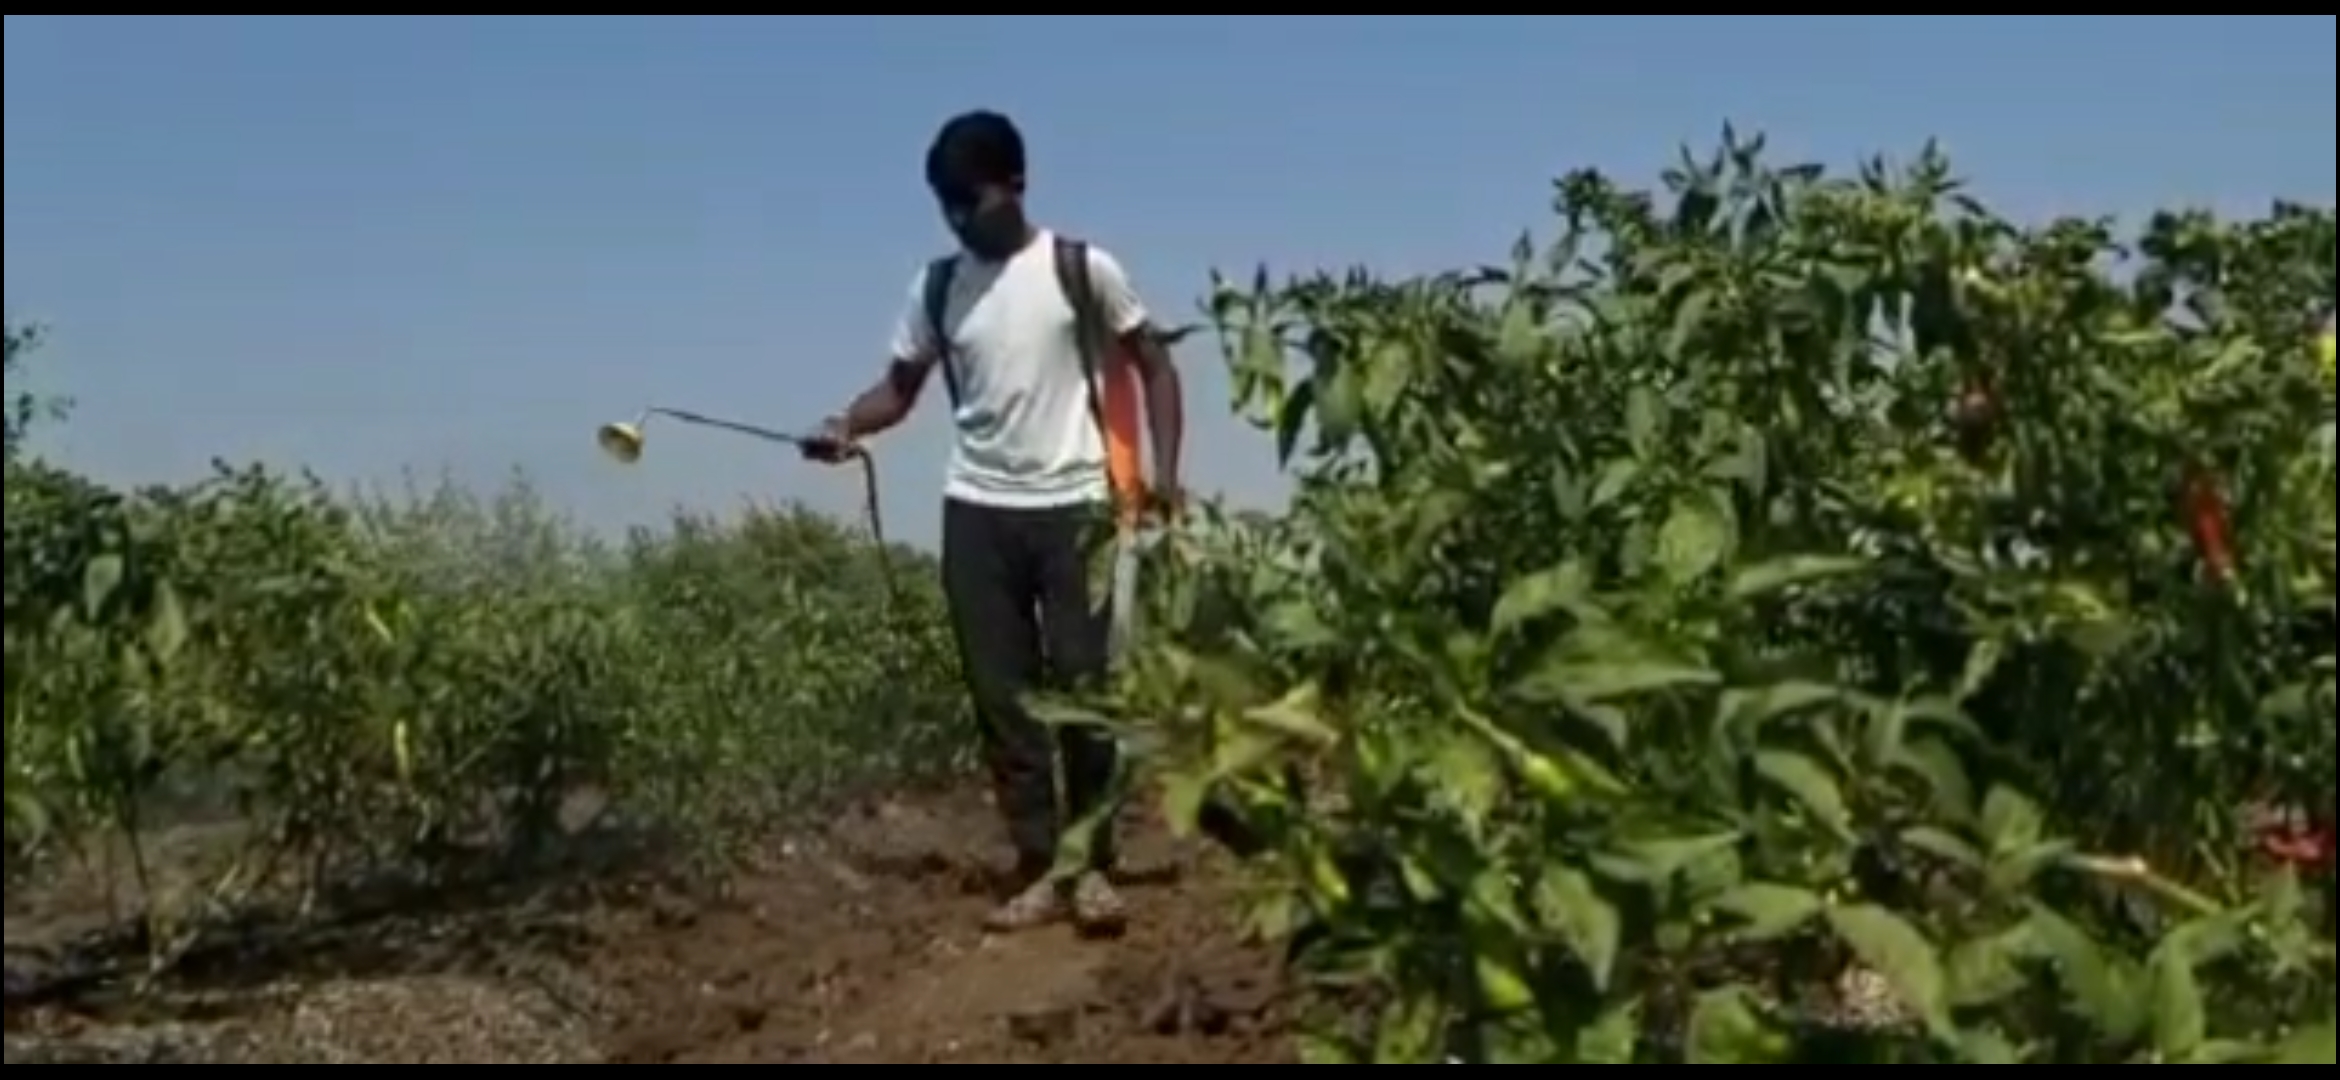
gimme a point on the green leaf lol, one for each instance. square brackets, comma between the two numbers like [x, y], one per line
[1596, 681]
[1695, 539]
[1521, 338]
[28, 819]
[1885, 731]
[1981, 663]
[1466, 775]
[2227, 1052]
[1689, 320]
[1770, 911]
[1340, 405]
[1709, 876]
[1293, 624]
[1938, 715]
[1059, 710]
[1750, 709]
[100, 580]
[1943, 772]
[1890, 946]
[1748, 466]
[1568, 903]
[1809, 783]
[1183, 795]
[1296, 714]
[1617, 478]
[1982, 1047]
[2011, 823]
[1644, 421]
[1319, 1050]
[2180, 1017]
[2309, 1046]
[1262, 354]
[1543, 593]
[1726, 1028]
[1651, 861]
[1943, 846]
[1786, 573]
[1612, 1038]
[1389, 372]
[1985, 970]
[1570, 495]
[1411, 1031]
[2210, 938]
[2098, 985]
[166, 625]
[1491, 895]
[1502, 980]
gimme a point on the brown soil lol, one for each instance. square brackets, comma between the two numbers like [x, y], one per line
[858, 946]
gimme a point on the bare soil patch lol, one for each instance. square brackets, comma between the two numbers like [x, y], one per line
[859, 944]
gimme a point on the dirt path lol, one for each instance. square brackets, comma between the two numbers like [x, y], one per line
[865, 949]
[858, 947]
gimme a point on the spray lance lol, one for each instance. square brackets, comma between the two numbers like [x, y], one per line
[624, 442]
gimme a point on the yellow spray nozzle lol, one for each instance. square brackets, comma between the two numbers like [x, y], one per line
[621, 441]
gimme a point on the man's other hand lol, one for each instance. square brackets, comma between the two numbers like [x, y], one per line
[833, 444]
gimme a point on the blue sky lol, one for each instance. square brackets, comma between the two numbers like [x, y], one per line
[369, 244]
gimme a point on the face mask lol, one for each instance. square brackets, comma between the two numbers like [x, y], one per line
[990, 231]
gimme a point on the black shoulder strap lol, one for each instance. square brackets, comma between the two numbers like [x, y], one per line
[1072, 275]
[937, 300]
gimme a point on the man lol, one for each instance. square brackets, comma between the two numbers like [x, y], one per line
[1027, 487]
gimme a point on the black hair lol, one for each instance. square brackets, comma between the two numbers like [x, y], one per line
[976, 149]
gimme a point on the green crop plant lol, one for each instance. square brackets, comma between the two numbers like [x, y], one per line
[407, 689]
[1776, 584]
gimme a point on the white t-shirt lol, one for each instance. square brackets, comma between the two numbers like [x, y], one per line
[1024, 435]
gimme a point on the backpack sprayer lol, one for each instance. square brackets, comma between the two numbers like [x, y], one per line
[623, 442]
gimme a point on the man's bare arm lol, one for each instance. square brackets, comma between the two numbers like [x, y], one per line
[1165, 406]
[915, 351]
[889, 401]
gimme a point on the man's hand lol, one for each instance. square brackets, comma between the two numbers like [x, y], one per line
[1165, 503]
[833, 444]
